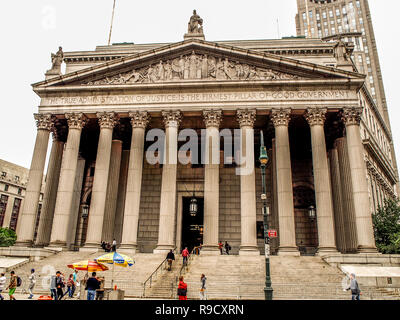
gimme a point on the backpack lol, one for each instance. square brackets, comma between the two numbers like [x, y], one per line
[19, 281]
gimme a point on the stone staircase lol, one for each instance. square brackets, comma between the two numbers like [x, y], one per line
[129, 279]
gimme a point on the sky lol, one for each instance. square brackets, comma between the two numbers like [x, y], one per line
[31, 30]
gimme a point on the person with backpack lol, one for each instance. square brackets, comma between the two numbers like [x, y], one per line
[60, 285]
[227, 247]
[182, 289]
[12, 286]
[2, 284]
[32, 282]
[70, 285]
[170, 258]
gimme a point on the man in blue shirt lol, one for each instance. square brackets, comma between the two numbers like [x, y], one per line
[92, 285]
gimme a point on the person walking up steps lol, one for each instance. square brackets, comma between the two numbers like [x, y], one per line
[203, 295]
[3, 281]
[355, 289]
[32, 282]
[12, 285]
[185, 255]
[182, 289]
[170, 259]
[227, 247]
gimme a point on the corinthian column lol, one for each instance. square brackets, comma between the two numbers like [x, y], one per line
[107, 122]
[248, 209]
[26, 228]
[172, 120]
[358, 170]
[287, 233]
[65, 192]
[50, 191]
[139, 122]
[212, 119]
[323, 194]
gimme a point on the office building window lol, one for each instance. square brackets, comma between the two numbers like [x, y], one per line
[3, 207]
[15, 214]
[6, 187]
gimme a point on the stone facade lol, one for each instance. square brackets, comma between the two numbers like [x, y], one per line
[222, 94]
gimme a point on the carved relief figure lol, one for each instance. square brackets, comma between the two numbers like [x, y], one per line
[194, 66]
[340, 51]
[195, 23]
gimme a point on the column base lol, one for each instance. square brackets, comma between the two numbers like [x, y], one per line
[365, 249]
[289, 251]
[327, 251]
[210, 251]
[58, 245]
[25, 244]
[249, 251]
[128, 249]
[91, 249]
[163, 249]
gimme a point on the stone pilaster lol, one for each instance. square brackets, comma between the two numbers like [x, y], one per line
[112, 191]
[65, 192]
[212, 120]
[287, 233]
[50, 192]
[107, 122]
[139, 122]
[26, 228]
[358, 170]
[323, 194]
[248, 208]
[172, 120]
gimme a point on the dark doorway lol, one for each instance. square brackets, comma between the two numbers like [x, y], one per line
[192, 226]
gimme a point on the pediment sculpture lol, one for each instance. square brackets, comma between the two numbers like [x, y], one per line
[193, 67]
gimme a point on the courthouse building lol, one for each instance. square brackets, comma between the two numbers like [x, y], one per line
[306, 95]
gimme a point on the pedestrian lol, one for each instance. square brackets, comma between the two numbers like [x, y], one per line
[108, 247]
[203, 295]
[70, 285]
[3, 281]
[185, 255]
[53, 287]
[76, 282]
[220, 247]
[103, 245]
[92, 284]
[60, 285]
[100, 290]
[12, 286]
[227, 247]
[182, 289]
[170, 258]
[355, 289]
[32, 282]
[114, 245]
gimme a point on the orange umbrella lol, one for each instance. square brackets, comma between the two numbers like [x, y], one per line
[88, 265]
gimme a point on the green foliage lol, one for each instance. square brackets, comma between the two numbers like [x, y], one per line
[7, 237]
[387, 227]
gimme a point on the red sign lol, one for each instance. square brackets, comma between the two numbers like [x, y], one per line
[272, 233]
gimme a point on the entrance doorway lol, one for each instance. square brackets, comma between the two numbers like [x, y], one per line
[192, 226]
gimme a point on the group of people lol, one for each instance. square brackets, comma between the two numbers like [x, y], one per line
[108, 247]
[15, 282]
[182, 288]
[58, 283]
[227, 247]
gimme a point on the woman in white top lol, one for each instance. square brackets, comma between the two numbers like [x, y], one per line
[32, 282]
[3, 281]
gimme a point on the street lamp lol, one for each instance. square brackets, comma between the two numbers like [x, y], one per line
[268, 291]
[193, 207]
[85, 211]
[312, 213]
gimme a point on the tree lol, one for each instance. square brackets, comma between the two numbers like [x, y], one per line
[8, 237]
[387, 227]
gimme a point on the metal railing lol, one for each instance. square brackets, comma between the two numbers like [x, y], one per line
[184, 268]
[159, 270]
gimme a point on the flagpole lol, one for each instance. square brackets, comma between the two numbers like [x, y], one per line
[112, 22]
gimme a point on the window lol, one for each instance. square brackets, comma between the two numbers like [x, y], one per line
[4, 174]
[304, 16]
[15, 214]
[337, 12]
[16, 178]
[324, 14]
[358, 3]
[6, 187]
[19, 191]
[3, 207]
[331, 13]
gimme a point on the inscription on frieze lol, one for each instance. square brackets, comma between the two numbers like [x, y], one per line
[198, 97]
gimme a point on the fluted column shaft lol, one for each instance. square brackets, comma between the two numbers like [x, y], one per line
[287, 233]
[107, 121]
[168, 184]
[50, 192]
[65, 192]
[248, 208]
[323, 192]
[358, 169]
[26, 224]
[212, 119]
[139, 121]
[112, 191]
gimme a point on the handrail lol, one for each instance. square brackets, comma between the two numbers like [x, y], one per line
[150, 278]
[185, 266]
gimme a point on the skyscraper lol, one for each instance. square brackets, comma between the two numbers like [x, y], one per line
[350, 21]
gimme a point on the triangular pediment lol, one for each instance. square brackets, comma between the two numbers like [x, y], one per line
[193, 61]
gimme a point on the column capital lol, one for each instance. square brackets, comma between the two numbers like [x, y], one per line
[212, 118]
[107, 120]
[172, 118]
[352, 116]
[281, 117]
[44, 121]
[139, 119]
[315, 116]
[76, 120]
[246, 117]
